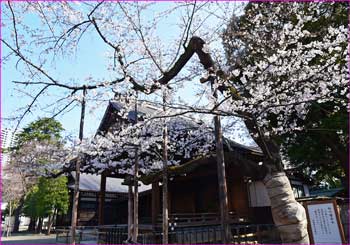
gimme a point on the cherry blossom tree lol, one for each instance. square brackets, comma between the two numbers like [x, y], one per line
[136, 52]
[283, 82]
[285, 59]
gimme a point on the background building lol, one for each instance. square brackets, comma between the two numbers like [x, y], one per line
[8, 140]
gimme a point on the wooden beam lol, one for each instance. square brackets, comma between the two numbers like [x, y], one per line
[101, 200]
[155, 202]
[130, 211]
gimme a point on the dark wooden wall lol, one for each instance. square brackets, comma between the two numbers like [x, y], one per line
[197, 192]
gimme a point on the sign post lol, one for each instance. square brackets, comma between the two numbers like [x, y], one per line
[324, 222]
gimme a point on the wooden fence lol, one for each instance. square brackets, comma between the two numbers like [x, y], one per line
[240, 234]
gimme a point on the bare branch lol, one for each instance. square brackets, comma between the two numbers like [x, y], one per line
[30, 105]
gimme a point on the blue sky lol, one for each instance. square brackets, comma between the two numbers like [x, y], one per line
[87, 61]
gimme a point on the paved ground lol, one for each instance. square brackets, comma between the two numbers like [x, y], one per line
[29, 239]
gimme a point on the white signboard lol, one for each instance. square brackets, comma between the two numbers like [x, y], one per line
[324, 223]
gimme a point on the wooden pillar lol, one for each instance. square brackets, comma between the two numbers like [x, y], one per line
[222, 181]
[74, 219]
[221, 172]
[130, 211]
[101, 200]
[136, 187]
[165, 212]
[155, 203]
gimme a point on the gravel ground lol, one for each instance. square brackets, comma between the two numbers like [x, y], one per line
[29, 239]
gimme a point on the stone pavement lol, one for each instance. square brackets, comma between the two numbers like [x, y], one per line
[28, 238]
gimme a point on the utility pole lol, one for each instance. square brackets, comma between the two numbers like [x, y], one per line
[77, 174]
[165, 177]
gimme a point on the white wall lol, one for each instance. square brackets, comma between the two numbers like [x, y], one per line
[258, 194]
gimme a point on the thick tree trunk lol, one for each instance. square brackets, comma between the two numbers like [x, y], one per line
[289, 216]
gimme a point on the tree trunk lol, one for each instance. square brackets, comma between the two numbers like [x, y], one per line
[40, 225]
[31, 226]
[289, 216]
[9, 223]
[49, 224]
[17, 213]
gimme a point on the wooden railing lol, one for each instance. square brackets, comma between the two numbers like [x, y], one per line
[84, 235]
[117, 234]
[178, 220]
[240, 234]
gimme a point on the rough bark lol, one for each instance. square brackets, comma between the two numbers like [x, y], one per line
[289, 216]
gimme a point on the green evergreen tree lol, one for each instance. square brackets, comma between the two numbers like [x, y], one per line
[38, 204]
[320, 146]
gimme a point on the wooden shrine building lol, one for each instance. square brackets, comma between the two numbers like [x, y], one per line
[193, 198]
